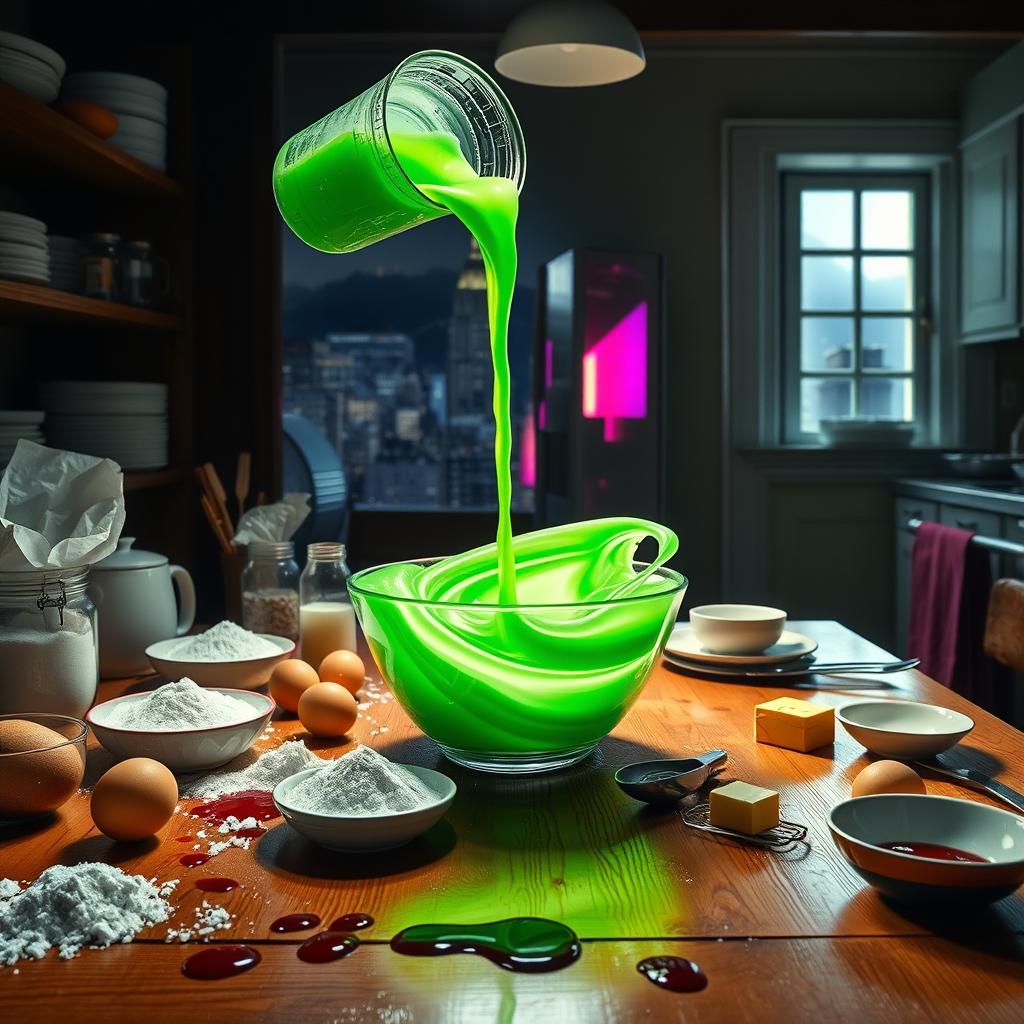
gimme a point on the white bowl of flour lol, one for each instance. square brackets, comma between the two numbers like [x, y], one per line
[182, 725]
[226, 655]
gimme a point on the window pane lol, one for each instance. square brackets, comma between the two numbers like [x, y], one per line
[887, 282]
[822, 399]
[886, 220]
[887, 397]
[826, 220]
[887, 343]
[826, 282]
[826, 343]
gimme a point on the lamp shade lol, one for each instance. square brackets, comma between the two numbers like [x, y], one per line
[570, 42]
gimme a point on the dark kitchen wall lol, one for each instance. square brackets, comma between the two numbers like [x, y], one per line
[637, 166]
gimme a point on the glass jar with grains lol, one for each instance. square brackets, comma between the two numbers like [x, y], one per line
[270, 589]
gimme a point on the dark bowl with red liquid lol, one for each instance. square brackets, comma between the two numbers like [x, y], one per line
[922, 849]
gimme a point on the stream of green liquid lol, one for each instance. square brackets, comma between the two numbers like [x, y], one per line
[504, 680]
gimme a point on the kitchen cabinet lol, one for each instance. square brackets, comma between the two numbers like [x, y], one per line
[990, 262]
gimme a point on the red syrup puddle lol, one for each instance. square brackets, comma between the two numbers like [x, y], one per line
[249, 833]
[351, 922]
[217, 883]
[673, 973]
[295, 923]
[934, 851]
[193, 860]
[184, 839]
[326, 947]
[249, 803]
[521, 944]
[220, 962]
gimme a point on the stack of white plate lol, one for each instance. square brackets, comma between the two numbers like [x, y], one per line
[140, 105]
[121, 420]
[24, 251]
[16, 424]
[30, 66]
[67, 271]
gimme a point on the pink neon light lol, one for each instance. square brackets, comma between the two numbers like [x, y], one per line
[528, 453]
[549, 363]
[542, 414]
[615, 374]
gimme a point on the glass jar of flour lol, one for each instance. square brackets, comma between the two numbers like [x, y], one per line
[270, 589]
[49, 657]
[327, 620]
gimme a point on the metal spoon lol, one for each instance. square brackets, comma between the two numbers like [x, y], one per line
[668, 781]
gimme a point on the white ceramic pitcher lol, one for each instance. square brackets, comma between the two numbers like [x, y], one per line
[134, 595]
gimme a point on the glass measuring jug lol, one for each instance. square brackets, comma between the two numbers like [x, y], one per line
[339, 183]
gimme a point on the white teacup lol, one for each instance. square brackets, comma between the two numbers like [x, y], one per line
[737, 628]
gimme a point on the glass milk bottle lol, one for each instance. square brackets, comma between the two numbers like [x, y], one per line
[327, 621]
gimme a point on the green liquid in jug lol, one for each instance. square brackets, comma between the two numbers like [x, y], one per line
[521, 681]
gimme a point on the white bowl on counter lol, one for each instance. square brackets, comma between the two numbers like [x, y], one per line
[366, 832]
[904, 728]
[737, 628]
[183, 750]
[248, 674]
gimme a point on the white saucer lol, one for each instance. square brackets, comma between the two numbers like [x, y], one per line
[683, 643]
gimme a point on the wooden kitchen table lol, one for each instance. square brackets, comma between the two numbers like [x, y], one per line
[782, 937]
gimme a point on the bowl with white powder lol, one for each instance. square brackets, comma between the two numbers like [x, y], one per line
[362, 801]
[226, 655]
[187, 727]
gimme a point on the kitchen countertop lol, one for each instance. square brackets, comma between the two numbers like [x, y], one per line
[795, 938]
[968, 493]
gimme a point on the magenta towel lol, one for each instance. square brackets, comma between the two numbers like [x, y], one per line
[950, 582]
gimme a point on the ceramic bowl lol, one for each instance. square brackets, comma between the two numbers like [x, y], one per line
[370, 831]
[233, 675]
[858, 825]
[737, 628]
[183, 750]
[904, 728]
[27, 787]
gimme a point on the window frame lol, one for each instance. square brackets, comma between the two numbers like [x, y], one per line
[791, 184]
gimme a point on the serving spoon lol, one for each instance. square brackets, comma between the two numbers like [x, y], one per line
[669, 780]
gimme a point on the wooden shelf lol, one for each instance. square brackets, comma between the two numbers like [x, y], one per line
[34, 303]
[138, 481]
[34, 135]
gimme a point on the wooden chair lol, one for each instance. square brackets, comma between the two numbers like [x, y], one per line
[1004, 624]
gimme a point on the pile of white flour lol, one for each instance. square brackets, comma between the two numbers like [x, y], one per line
[84, 905]
[224, 642]
[361, 782]
[248, 771]
[180, 705]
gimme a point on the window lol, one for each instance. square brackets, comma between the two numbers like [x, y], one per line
[854, 281]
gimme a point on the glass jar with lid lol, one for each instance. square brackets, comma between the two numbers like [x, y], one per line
[102, 265]
[270, 589]
[145, 278]
[49, 657]
[327, 620]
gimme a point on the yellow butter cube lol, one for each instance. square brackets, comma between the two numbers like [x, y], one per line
[795, 724]
[741, 807]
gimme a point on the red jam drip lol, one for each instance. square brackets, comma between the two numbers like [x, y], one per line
[217, 883]
[249, 803]
[220, 962]
[327, 946]
[184, 839]
[934, 851]
[193, 860]
[295, 923]
[523, 944]
[673, 973]
[249, 833]
[351, 922]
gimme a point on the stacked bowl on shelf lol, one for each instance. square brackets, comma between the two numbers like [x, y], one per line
[24, 250]
[31, 67]
[121, 420]
[67, 272]
[17, 425]
[140, 105]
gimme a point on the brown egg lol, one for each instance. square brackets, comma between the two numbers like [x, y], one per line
[327, 710]
[34, 779]
[344, 668]
[289, 680]
[134, 799]
[887, 777]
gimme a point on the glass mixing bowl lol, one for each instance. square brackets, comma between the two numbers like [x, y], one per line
[516, 688]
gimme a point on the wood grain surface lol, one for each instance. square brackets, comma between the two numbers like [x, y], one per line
[571, 846]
